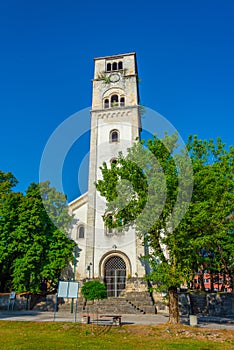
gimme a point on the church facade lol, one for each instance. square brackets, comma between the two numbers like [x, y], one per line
[109, 255]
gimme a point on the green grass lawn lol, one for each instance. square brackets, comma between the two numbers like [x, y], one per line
[15, 335]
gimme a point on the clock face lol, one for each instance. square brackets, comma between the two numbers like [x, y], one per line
[114, 77]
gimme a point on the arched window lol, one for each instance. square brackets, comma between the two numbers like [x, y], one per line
[106, 103]
[122, 101]
[114, 101]
[81, 231]
[114, 136]
[120, 65]
[113, 161]
[114, 66]
[109, 230]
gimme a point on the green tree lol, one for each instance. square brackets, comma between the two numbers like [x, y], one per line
[94, 290]
[209, 219]
[152, 188]
[9, 202]
[33, 248]
[7, 181]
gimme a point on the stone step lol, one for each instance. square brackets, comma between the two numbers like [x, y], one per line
[138, 303]
[131, 304]
[141, 301]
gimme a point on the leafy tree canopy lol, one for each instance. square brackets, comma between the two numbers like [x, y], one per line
[33, 248]
[7, 181]
[180, 201]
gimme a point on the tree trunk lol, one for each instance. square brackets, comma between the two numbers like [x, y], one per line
[173, 306]
[201, 279]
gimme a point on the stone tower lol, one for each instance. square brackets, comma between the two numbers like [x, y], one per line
[115, 124]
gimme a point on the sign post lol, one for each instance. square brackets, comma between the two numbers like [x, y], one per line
[69, 290]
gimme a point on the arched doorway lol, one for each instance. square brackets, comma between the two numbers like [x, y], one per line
[114, 275]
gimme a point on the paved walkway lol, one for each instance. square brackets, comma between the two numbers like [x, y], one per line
[134, 319]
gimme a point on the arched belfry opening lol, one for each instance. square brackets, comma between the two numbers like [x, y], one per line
[114, 275]
[114, 100]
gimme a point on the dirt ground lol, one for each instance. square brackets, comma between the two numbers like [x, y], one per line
[182, 331]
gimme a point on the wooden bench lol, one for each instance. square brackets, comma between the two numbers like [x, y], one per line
[85, 318]
[116, 319]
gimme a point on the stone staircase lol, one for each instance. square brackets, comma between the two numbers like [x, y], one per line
[112, 305]
[141, 301]
[131, 303]
[134, 299]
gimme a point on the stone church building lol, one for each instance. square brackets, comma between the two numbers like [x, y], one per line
[112, 256]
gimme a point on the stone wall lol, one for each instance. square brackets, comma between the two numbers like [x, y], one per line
[19, 303]
[211, 304]
[160, 302]
[135, 284]
[220, 304]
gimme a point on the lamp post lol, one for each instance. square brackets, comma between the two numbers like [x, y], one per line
[89, 269]
[76, 254]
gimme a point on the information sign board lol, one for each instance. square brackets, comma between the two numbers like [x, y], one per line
[68, 289]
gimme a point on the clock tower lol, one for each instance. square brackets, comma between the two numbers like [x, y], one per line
[107, 253]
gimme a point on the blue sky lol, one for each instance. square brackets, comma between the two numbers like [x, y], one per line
[185, 53]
